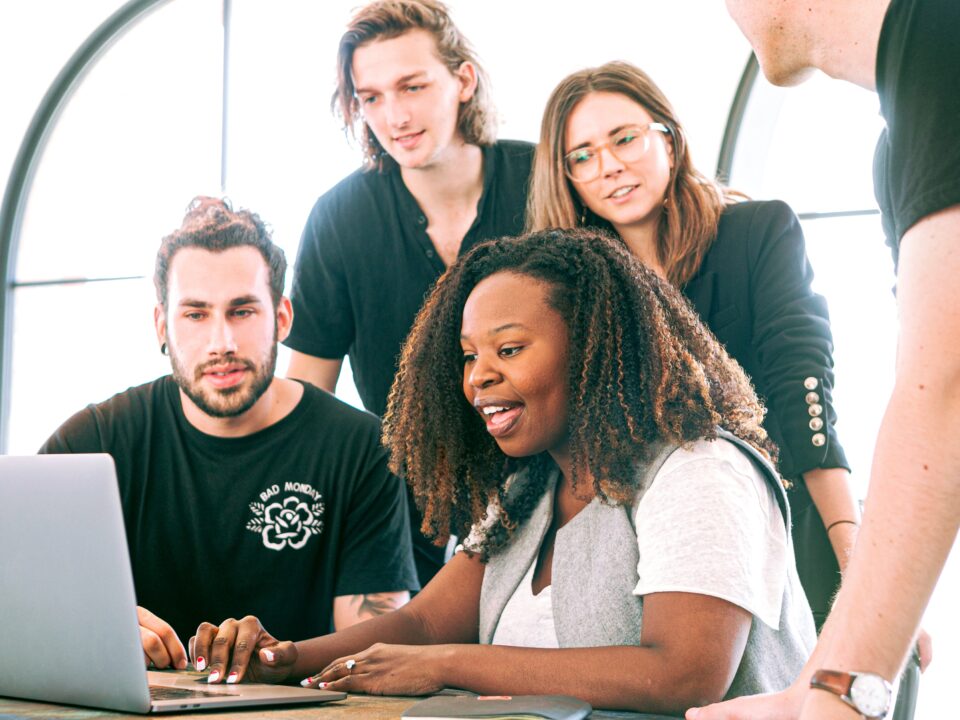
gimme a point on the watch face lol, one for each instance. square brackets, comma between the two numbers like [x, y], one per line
[871, 695]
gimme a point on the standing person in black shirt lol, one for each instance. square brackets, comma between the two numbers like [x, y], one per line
[242, 492]
[434, 182]
[907, 51]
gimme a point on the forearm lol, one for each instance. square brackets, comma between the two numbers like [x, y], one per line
[831, 494]
[352, 609]
[910, 523]
[321, 372]
[401, 627]
[621, 677]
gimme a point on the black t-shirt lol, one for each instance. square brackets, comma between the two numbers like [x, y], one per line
[366, 263]
[917, 163]
[274, 524]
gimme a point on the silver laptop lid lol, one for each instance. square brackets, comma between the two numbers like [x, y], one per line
[67, 603]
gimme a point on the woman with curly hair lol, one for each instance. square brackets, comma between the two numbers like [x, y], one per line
[628, 538]
[614, 155]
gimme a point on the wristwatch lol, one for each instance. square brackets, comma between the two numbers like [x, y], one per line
[867, 693]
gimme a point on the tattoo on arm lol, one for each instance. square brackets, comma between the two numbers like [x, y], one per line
[373, 604]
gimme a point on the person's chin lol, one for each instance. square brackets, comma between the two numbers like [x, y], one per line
[418, 157]
[417, 162]
[515, 445]
[782, 74]
[226, 403]
[627, 216]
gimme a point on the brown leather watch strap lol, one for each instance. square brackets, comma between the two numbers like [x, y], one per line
[832, 681]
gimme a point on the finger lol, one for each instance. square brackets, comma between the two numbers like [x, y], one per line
[925, 650]
[777, 706]
[249, 637]
[277, 654]
[201, 645]
[341, 667]
[718, 711]
[348, 683]
[221, 650]
[153, 648]
[175, 654]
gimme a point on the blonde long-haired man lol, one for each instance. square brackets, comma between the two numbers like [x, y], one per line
[435, 181]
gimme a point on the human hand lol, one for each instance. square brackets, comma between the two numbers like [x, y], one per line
[924, 649]
[384, 670]
[160, 643]
[243, 646]
[822, 705]
[784, 705]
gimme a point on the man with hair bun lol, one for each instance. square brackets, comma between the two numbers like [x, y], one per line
[434, 182]
[242, 492]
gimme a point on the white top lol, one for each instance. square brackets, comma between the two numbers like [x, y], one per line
[709, 524]
[527, 619]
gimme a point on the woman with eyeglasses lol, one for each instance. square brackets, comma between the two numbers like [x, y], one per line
[614, 155]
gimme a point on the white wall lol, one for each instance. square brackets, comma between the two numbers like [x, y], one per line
[284, 149]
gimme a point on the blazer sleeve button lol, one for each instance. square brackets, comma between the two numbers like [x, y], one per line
[811, 398]
[819, 440]
[811, 383]
[816, 424]
[815, 410]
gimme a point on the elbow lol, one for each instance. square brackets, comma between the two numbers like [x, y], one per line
[683, 685]
[694, 691]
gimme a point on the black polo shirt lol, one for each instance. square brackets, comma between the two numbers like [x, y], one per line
[366, 263]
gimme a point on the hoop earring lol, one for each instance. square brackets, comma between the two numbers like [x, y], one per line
[163, 349]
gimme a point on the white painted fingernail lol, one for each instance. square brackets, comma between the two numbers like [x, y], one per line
[268, 655]
[213, 677]
[232, 678]
[201, 664]
[306, 682]
[321, 686]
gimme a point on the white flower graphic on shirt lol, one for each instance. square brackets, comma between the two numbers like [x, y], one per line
[288, 524]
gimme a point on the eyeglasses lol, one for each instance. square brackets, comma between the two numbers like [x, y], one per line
[628, 145]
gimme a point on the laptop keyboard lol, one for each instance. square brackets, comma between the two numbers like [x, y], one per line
[161, 692]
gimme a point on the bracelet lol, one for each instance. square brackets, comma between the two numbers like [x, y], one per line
[841, 522]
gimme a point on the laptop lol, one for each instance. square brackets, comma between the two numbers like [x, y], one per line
[68, 617]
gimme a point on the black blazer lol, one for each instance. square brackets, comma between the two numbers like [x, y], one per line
[753, 291]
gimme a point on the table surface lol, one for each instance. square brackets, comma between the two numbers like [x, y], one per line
[355, 706]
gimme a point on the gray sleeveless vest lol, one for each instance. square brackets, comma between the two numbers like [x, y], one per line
[595, 571]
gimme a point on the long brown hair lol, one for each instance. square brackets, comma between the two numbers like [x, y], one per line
[642, 370]
[387, 19]
[692, 204]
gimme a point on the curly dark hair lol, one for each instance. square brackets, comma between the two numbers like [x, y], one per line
[643, 370]
[212, 224]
